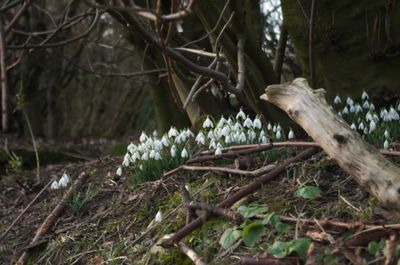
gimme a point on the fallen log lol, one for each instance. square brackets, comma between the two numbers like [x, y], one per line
[308, 108]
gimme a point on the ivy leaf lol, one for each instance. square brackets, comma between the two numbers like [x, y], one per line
[308, 192]
[251, 210]
[252, 233]
[299, 246]
[229, 237]
[282, 228]
[279, 249]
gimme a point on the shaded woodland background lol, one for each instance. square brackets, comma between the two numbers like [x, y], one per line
[107, 68]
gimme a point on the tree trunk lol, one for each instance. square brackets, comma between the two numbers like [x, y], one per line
[310, 110]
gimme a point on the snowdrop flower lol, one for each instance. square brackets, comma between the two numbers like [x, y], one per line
[143, 137]
[372, 126]
[386, 134]
[366, 131]
[386, 144]
[155, 133]
[349, 101]
[164, 141]
[173, 151]
[263, 139]
[358, 109]
[200, 139]
[345, 110]
[228, 139]
[54, 185]
[278, 134]
[212, 145]
[352, 109]
[242, 138]
[237, 126]
[291, 134]
[337, 100]
[262, 133]
[221, 122]
[361, 126]
[257, 123]
[187, 187]
[269, 127]
[383, 113]
[145, 156]
[158, 145]
[159, 217]
[225, 131]
[135, 156]
[157, 156]
[218, 151]
[118, 172]
[252, 135]
[393, 114]
[189, 133]
[211, 135]
[63, 182]
[208, 123]
[184, 153]
[274, 128]
[368, 116]
[366, 105]
[339, 113]
[241, 115]
[248, 123]
[125, 162]
[178, 139]
[371, 106]
[172, 132]
[364, 96]
[353, 126]
[152, 154]
[131, 148]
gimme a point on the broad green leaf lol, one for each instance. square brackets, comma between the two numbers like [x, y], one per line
[270, 219]
[282, 228]
[251, 210]
[299, 246]
[373, 248]
[308, 192]
[252, 233]
[229, 237]
[279, 249]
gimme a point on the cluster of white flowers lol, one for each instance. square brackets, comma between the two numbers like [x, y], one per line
[374, 125]
[62, 183]
[176, 146]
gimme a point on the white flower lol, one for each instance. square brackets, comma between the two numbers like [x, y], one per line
[172, 132]
[54, 185]
[241, 115]
[200, 139]
[263, 140]
[361, 126]
[159, 217]
[386, 144]
[212, 145]
[337, 100]
[119, 171]
[155, 133]
[274, 128]
[383, 113]
[228, 139]
[291, 134]
[189, 133]
[218, 151]
[393, 114]
[278, 135]
[364, 96]
[221, 121]
[143, 137]
[353, 126]
[371, 106]
[262, 133]
[368, 116]
[248, 123]
[345, 110]
[184, 153]
[225, 131]
[339, 113]
[157, 156]
[372, 126]
[173, 151]
[187, 187]
[131, 148]
[178, 139]
[251, 135]
[257, 123]
[366, 105]
[135, 156]
[352, 109]
[63, 182]
[242, 138]
[269, 127]
[158, 145]
[386, 134]
[349, 101]
[152, 154]
[358, 109]
[208, 123]
[126, 160]
[145, 156]
[237, 126]
[164, 141]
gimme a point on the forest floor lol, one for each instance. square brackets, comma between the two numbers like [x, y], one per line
[109, 220]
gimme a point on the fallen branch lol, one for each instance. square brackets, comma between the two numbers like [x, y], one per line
[243, 192]
[217, 211]
[191, 254]
[52, 217]
[247, 260]
[307, 107]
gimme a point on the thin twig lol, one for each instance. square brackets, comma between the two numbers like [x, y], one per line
[311, 45]
[190, 254]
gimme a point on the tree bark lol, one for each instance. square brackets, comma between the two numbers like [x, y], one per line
[307, 107]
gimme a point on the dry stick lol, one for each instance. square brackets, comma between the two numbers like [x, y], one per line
[311, 45]
[243, 192]
[17, 16]
[3, 76]
[186, 200]
[247, 260]
[191, 254]
[280, 52]
[26, 208]
[51, 218]
[217, 211]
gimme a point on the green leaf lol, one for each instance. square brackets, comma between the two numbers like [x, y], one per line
[251, 210]
[282, 228]
[270, 219]
[373, 248]
[279, 249]
[299, 246]
[229, 237]
[252, 233]
[308, 192]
